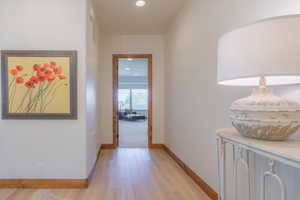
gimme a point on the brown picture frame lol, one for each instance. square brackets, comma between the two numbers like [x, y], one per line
[72, 115]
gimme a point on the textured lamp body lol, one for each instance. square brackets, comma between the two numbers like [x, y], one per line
[265, 116]
[267, 50]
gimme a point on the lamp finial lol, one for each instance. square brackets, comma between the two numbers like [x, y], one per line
[263, 82]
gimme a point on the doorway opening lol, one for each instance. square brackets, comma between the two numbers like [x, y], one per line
[132, 100]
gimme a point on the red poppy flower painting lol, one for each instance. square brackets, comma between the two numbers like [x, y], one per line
[37, 95]
[40, 86]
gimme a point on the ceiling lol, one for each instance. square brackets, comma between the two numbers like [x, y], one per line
[124, 17]
[135, 67]
[133, 73]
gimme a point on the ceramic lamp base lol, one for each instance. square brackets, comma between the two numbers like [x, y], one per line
[265, 116]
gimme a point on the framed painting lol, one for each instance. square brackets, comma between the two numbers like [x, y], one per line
[39, 84]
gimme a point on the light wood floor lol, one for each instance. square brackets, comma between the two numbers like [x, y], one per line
[125, 174]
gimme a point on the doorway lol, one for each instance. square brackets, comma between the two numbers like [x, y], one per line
[132, 100]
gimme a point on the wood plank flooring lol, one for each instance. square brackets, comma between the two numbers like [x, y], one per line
[125, 174]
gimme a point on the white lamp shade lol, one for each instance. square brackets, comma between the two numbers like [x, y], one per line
[269, 48]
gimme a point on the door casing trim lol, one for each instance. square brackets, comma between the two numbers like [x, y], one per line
[115, 58]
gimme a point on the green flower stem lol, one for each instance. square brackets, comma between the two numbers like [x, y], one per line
[50, 89]
[11, 82]
[12, 96]
[41, 97]
[30, 99]
[52, 97]
[36, 99]
[23, 99]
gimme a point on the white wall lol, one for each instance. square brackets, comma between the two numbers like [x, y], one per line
[45, 148]
[196, 106]
[127, 44]
[92, 78]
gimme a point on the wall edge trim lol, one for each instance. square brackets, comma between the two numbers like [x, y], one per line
[50, 183]
[197, 179]
[107, 146]
[44, 183]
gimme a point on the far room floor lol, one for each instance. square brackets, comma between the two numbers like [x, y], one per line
[133, 133]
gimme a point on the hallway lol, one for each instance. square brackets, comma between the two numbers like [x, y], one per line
[125, 174]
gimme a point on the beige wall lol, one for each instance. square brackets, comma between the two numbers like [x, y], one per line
[196, 106]
[126, 44]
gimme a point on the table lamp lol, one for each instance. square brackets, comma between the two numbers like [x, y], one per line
[266, 53]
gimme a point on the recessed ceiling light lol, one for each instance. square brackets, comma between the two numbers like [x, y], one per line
[140, 3]
[127, 68]
[130, 59]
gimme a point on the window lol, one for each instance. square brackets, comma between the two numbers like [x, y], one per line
[139, 99]
[124, 99]
[133, 99]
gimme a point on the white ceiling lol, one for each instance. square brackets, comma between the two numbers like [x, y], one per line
[133, 73]
[123, 17]
[135, 67]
